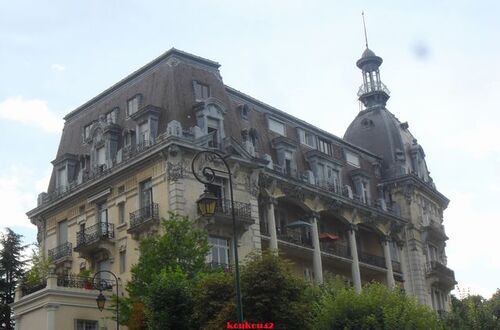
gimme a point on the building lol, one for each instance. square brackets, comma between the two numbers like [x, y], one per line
[363, 207]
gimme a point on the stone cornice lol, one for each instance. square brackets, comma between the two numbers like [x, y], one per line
[418, 183]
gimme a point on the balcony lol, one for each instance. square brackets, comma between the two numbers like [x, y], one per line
[440, 273]
[95, 237]
[144, 219]
[295, 237]
[242, 213]
[371, 259]
[226, 268]
[338, 249]
[61, 253]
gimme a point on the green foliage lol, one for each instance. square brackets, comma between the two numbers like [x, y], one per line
[214, 296]
[39, 268]
[376, 307]
[474, 312]
[181, 245]
[161, 290]
[271, 293]
[11, 272]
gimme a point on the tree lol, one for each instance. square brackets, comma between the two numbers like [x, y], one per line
[474, 312]
[165, 274]
[11, 271]
[272, 293]
[376, 307]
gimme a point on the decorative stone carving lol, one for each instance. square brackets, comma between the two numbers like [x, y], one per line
[335, 205]
[176, 171]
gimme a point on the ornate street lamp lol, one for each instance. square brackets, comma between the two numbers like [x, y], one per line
[207, 204]
[101, 299]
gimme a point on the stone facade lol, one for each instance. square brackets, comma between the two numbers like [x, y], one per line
[339, 206]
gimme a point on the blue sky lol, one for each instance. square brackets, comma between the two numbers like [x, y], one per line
[440, 63]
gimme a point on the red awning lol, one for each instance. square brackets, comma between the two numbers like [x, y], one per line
[328, 236]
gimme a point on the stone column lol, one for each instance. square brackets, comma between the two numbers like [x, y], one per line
[51, 316]
[402, 260]
[356, 275]
[317, 266]
[388, 262]
[271, 223]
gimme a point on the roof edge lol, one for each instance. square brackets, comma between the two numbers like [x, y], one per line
[168, 54]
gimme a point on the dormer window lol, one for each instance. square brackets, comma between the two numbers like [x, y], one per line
[62, 178]
[101, 155]
[276, 126]
[325, 147]
[361, 181]
[201, 91]
[112, 116]
[244, 110]
[144, 133]
[307, 138]
[86, 131]
[352, 159]
[133, 105]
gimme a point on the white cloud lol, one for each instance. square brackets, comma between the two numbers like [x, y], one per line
[58, 67]
[17, 196]
[32, 112]
[473, 246]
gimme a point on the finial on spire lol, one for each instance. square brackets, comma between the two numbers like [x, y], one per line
[364, 26]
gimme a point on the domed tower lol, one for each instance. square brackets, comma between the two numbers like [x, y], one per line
[405, 186]
[373, 93]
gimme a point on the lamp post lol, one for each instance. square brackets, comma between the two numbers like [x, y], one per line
[101, 299]
[207, 204]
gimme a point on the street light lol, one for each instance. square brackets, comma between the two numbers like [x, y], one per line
[207, 205]
[101, 299]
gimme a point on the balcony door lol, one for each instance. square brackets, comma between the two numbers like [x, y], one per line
[102, 218]
[62, 232]
[146, 198]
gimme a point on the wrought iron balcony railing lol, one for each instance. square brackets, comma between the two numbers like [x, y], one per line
[82, 282]
[61, 251]
[373, 87]
[336, 248]
[371, 259]
[295, 237]
[94, 233]
[439, 268]
[241, 210]
[33, 287]
[144, 214]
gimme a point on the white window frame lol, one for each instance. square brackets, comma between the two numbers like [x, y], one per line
[133, 105]
[325, 146]
[82, 324]
[307, 138]
[352, 158]
[276, 126]
[221, 246]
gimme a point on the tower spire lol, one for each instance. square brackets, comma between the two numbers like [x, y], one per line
[364, 27]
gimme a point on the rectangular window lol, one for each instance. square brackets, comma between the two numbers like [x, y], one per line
[219, 252]
[287, 168]
[307, 138]
[86, 131]
[112, 116]
[276, 126]
[144, 133]
[101, 155]
[325, 147]
[62, 177]
[133, 105]
[102, 213]
[146, 193]
[352, 159]
[201, 91]
[123, 260]
[62, 232]
[121, 213]
[86, 325]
